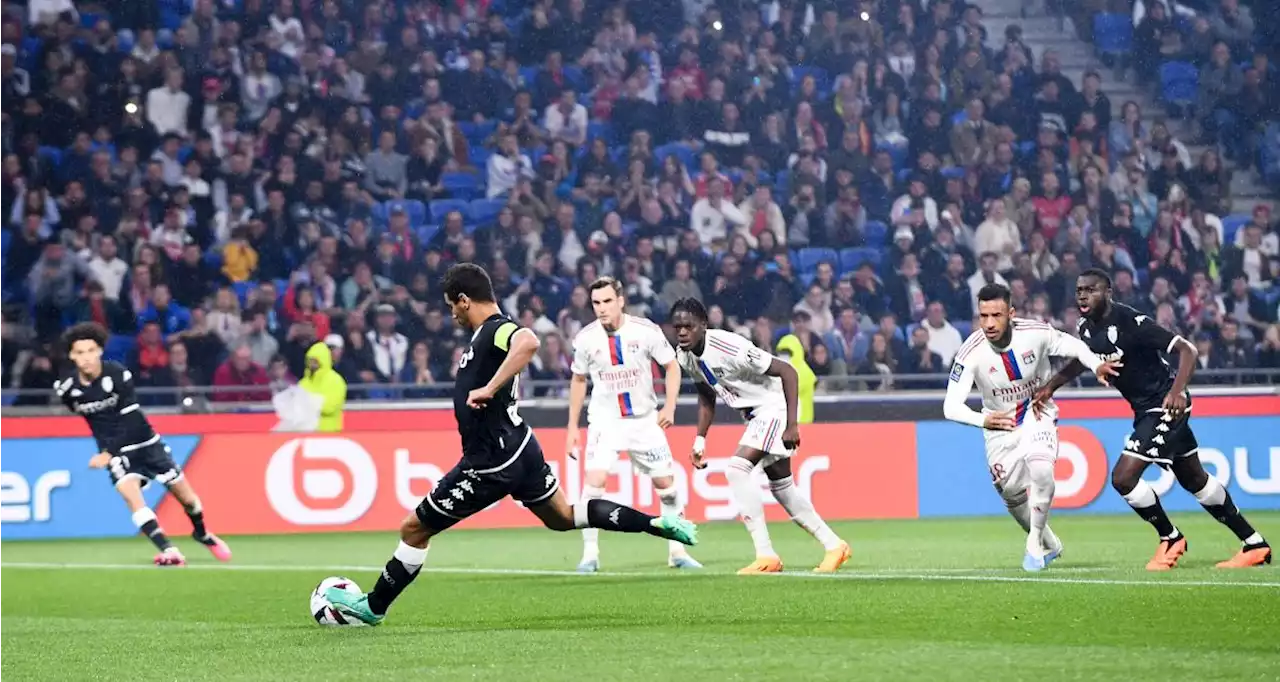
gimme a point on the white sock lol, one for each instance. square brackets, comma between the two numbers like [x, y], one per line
[1040, 499]
[591, 536]
[1020, 510]
[1142, 496]
[750, 505]
[1212, 494]
[671, 506]
[411, 557]
[802, 512]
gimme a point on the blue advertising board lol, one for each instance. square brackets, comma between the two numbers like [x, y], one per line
[1243, 452]
[47, 489]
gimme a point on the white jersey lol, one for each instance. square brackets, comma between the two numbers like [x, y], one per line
[1008, 378]
[621, 367]
[735, 369]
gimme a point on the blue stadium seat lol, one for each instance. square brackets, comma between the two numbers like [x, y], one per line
[426, 232]
[1179, 84]
[953, 172]
[1112, 34]
[576, 78]
[600, 129]
[529, 74]
[119, 347]
[479, 156]
[415, 209]
[212, 259]
[807, 260]
[1231, 225]
[441, 207]
[820, 76]
[875, 233]
[852, 259]
[242, 290]
[6, 237]
[462, 185]
[965, 327]
[485, 211]
[477, 133]
[682, 152]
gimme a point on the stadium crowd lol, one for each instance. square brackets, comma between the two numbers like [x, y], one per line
[224, 183]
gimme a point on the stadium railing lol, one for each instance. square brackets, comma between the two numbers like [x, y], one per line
[548, 393]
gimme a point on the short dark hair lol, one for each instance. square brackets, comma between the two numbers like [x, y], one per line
[85, 331]
[470, 280]
[692, 306]
[995, 292]
[606, 282]
[1099, 273]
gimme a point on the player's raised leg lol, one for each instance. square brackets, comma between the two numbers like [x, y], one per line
[557, 514]
[1216, 500]
[1126, 478]
[186, 495]
[130, 488]
[802, 513]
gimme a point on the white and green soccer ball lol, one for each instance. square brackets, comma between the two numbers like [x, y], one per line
[322, 610]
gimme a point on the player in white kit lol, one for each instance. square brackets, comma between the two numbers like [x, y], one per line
[763, 388]
[1009, 360]
[618, 351]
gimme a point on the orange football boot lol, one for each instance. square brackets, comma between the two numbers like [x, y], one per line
[763, 564]
[1248, 556]
[1167, 554]
[834, 559]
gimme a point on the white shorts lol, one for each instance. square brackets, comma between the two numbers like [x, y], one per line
[1009, 452]
[764, 433]
[641, 438]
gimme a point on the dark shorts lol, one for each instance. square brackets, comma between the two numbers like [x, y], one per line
[520, 471]
[1160, 439]
[151, 463]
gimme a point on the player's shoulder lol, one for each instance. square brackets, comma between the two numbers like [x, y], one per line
[1027, 324]
[970, 346]
[1124, 314]
[726, 342]
[644, 323]
[587, 333]
[112, 368]
[1031, 331]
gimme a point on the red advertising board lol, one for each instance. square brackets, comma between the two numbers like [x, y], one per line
[288, 483]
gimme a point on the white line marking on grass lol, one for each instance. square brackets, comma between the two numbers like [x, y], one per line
[879, 575]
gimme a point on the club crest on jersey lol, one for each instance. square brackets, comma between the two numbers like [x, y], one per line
[1112, 334]
[107, 384]
[1029, 357]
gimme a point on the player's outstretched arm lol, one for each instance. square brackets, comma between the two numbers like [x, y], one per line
[790, 391]
[523, 345]
[959, 386]
[1064, 345]
[706, 415]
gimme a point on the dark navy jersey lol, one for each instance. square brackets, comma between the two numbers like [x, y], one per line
[110, 406]
[1133, 339]
[488, 432]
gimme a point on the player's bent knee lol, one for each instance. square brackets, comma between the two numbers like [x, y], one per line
[1014, 498]
[412, 532]
[1124, 481]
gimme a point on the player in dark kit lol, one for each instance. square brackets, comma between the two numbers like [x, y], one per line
[500, 455]
[129, 449]
[1161, 411]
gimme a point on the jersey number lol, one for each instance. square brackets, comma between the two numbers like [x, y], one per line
[513, 410]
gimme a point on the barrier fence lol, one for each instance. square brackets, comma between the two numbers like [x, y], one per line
[255, 481]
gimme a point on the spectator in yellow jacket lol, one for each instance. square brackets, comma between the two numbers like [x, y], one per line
[323, 380]
[790, 349]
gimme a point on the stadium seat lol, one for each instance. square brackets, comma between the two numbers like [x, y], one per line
[1179, 84]
[1112, 34]
[820, 76]
[462, 185]
[807, 259]
[600, 129]
[852, 259]
[529, 74]
[1231, 225]
[242, 290]
[965, 327]
[6, 236]
[875, 233]
[682, 152]
[212, 258]
[415, 209]
[426, 232]
[477, 133]
[442, 207]
[576, 79]
[485, 211]
[119, 347]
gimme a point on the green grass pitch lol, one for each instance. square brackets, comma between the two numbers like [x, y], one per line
[920, 600]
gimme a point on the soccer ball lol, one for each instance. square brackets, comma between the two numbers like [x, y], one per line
[323, 611]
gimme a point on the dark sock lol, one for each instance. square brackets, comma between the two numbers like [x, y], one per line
[1229, 515]
[198, 531]
[607, 515]
[151, 529]
[394, 579]
[1155, 516]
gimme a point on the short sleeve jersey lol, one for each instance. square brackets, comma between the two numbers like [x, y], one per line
[736, 370]
[484, 431]
[1134, 339]
[109, 404]
[620, 365]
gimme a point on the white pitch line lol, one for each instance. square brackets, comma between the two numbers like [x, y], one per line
[918, 575]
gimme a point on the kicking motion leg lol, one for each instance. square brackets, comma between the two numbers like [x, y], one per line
[669, 498]
[182, 490]
[802, 513]
[1126, 478]
[145, 519]
[398, 574]
[1217, 501]
[746, 494]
